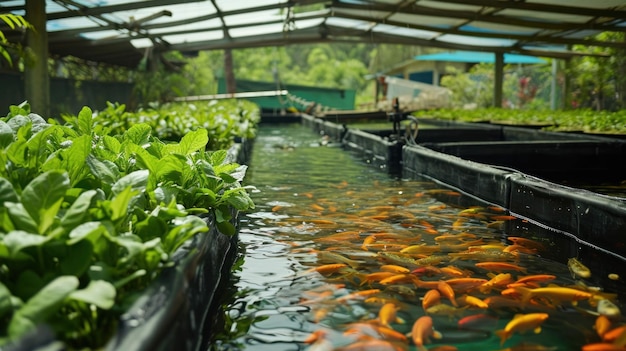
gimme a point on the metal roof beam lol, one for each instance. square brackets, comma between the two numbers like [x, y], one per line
[539, 7]
[526, 38]
[470, 15]
[101, 10]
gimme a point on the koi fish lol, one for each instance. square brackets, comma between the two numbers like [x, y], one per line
[520, 324]
[602, 325]
[398, 259]
[369, 343]
[422, 331]
[501, 279]
[500, 266]
[468, 300]
[603, 346]
[358, 295]
[478, 321]
[431, 298]
[327, 269]
[394, 269]
[446, 290]
[556, 294]
[388, 314]
[377, 331]
[327, 256]
[577, 268]
[443, 309]
[529, 243]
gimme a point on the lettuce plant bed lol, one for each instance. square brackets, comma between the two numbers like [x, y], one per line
[115, 241]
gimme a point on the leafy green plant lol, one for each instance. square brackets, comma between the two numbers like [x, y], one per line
[89, 219]
[584, 120]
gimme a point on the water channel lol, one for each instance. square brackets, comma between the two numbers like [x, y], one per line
[329, 228]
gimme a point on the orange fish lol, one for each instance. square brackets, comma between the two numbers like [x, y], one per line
[500, 279]
[602, 346]
[327, 268]
[468, 300]
[374, 330]
[478, 321]
[535, 278]
[602, 325]
[522, 323]
[446, 290]
[422, 331]
[431, 298]
[500, 266]
[529, 243]
[358, 295]
[388, 314]
[394, 268]
[556, 294]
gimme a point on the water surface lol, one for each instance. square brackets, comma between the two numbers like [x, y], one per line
[313, 198]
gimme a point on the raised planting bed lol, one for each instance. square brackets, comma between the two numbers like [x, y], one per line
[113, 241]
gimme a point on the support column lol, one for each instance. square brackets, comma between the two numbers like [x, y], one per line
[498, 79]
[553, 85]
[229, 74]
[36, 73]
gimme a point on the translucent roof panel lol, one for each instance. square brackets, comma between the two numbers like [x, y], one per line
[118, 31]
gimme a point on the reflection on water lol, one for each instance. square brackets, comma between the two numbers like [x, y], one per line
[341, 255]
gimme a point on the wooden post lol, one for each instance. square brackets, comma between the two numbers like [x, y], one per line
[37, 89]
[498, 78]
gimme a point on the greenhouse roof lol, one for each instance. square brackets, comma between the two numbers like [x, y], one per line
[121, 31]
[479, 57]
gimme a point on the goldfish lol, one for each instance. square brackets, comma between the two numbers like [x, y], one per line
[522, 323]
[422, 331]
[394, 268]
[327, 269]
[398, 259]
[374, 330]
[388, 314]
[431, 298]
[478, 321]
[375, 277]
[556, 294]
[370, 344]
[446, 290]
[577, 268]
[465, 283]
[327, 256]
[468, 300]
[443, 309]
[602, 325]
[602, 346]
[398, 278]
[529, 243]
[500, 279]
[535, 278]
[358, 295]
[500, 266]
